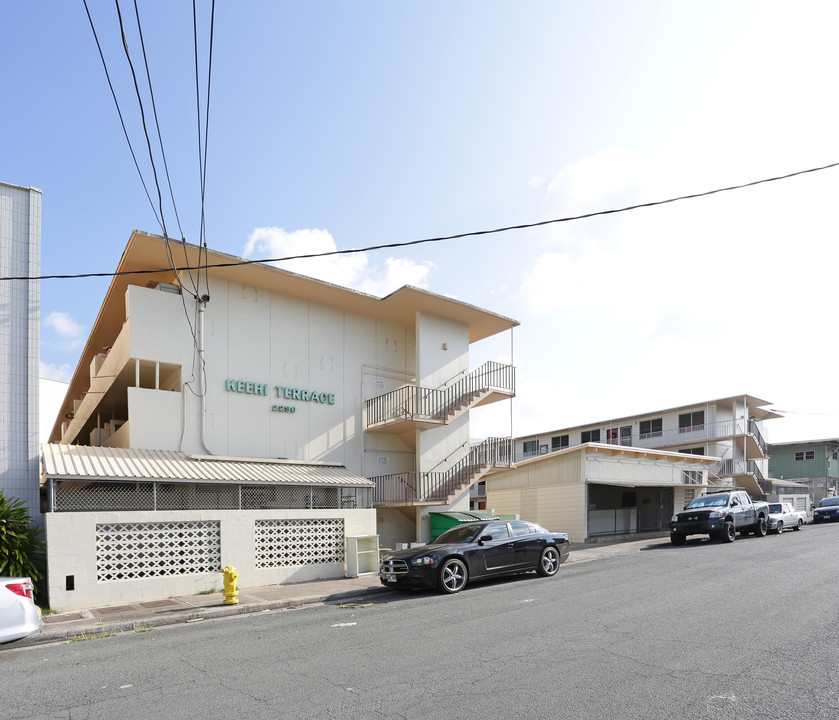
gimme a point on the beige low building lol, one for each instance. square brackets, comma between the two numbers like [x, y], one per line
[597, 490]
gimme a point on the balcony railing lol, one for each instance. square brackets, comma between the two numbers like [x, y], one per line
[736, 466]
[678, 436]
[436, 487]
[419, 403]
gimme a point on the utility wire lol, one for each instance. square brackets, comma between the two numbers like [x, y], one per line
[156, 120]
[457, 236]
[119, 112]
[202, 151]
[142, 116]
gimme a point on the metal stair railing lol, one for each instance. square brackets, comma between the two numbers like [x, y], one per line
[736, 466]
[411, 487]
[764, 446]
[416, 402]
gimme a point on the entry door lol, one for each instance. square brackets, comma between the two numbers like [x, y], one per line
[648, 502]
[655, 506]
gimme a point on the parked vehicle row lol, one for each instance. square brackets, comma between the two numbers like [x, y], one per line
[720, 515]
[782, 517]
[473, 551]
[827, 511]
[19, 615]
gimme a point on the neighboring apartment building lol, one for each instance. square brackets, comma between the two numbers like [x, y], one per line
[20, 256]
[726, 435]
[731, 429]
[811, 463]
[258, 418]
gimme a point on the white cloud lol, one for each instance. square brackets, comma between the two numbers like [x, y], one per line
[678, 303]
[596, 181]
[64, 325]
[352, 270]
[59, 373]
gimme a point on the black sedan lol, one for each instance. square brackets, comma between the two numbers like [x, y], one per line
[827, 511]
[475, 550]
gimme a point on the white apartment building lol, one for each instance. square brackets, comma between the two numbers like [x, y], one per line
[255, 417]
[20, 308]
[630, 474]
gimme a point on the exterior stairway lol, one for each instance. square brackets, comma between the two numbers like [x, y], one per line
[442, 488]
[423, 408]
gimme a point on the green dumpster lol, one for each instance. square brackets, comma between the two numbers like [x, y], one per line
[442, 521]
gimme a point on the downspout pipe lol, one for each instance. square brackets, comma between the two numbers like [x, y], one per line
[202, 376]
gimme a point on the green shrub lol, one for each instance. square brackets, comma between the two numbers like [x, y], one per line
[22, 551]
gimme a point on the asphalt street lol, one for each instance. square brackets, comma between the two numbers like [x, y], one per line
[708, 630]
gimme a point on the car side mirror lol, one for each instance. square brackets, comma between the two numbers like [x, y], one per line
[484, 538]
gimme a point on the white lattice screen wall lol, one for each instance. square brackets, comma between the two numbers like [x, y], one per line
[126, 551]
[284, 543]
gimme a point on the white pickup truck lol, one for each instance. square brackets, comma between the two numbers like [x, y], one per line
[783, 517]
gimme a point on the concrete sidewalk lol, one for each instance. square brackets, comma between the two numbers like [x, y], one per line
[136, 617]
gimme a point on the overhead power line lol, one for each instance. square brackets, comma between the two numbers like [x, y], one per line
[457, 236]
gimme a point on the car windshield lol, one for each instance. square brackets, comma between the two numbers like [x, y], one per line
[459, 534]
[775, 508]
[710, 501]
[827, 502]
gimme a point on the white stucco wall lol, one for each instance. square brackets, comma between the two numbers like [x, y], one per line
[442, 360]
[269, 339]
[71, 538]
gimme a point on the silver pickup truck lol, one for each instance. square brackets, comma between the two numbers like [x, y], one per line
[720, 515]
[783, 517]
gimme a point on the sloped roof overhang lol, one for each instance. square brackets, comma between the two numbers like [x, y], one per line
[145, 261]
[78, 462]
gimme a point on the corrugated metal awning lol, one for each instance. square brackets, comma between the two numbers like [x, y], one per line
[78, 462]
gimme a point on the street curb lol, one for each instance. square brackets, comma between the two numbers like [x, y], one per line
[106, 629]
[45, 636]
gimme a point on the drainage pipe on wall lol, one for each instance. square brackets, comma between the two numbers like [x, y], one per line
[202, 377]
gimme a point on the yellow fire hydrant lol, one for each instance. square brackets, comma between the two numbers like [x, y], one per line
[230, 591]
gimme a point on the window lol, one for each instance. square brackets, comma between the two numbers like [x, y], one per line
[590, 436]
[805, 455]
[693, 451]
[559, 442]
[650, 428]
[530, 447]
[497, 530]
[691, 477]
[521, 529]
[692, 421]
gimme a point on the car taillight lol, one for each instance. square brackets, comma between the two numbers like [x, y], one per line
[23, 589]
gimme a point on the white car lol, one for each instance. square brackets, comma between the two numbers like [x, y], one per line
[19, 615]
[783, 517]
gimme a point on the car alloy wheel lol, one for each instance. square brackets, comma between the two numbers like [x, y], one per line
[728, 532]
[780, 528]
[799, 525]
[453, 576]
[760, 530]
[549, 562]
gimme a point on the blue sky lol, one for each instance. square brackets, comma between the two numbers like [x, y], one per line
[341, 125]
